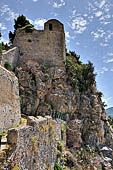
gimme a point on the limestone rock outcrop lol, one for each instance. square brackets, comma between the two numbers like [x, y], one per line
[43, 90]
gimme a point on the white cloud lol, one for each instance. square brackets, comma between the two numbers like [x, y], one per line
[39, 22]
[4, 40]
[111, 69]
[77, 43]
[99, 34]
[11, 15]
[54, 14]
[105, 69]
[102, 3]
[85, 15]
[58, 3]
[110, 54]
[103, 44]
[90, 18]
[2, 26]
[102, 71]
[109, 60]
[79, 24]
[98, 13]
[73, 12]
[35, 0]
[106, 100]
[67, 35]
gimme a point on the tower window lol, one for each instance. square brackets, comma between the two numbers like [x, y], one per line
[50, 27]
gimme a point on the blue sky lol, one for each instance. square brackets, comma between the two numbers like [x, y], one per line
[88, 27]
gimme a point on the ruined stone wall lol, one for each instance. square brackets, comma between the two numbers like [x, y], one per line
[9, 100]
[10, 56]
[34, 145]
[45, 47]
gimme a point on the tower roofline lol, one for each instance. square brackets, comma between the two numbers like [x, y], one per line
[51, 20]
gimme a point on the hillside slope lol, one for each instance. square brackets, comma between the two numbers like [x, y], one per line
[109, 111]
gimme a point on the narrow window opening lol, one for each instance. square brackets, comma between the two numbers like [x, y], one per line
[50, 27]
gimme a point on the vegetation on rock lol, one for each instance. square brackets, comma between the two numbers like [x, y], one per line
[22, 23]
[80, 75]
[58, 167]
[5, 46]
[8, 66]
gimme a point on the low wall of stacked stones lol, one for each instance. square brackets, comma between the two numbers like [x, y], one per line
[34, 145]
[10, 56]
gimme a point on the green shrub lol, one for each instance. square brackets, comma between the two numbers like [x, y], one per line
[22, 23]
[58, 167]
[60, 146]
[63, 131]
[80, 75]
[8, 66]
[44, 68]
[5, 46]
[16, 168]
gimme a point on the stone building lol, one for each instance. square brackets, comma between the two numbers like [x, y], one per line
[43, 46]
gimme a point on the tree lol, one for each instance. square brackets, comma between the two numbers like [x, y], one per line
[20, 22]
[5, 46]
[11, 36]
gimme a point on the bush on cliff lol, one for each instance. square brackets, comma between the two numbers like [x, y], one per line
[5, 46]
[8, 66]
[58, 167]
[80, 75]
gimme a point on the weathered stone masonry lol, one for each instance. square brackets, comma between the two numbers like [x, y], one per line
[34, 145]
[10, 56]
[43, 46]
[9, 100]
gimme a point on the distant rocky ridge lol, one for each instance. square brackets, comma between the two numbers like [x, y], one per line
[109, 111]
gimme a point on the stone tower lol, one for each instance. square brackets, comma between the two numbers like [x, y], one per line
[43, 46]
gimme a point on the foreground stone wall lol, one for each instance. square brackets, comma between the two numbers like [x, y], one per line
[45, 46]
[34, 145]
[10, 56]
[9, 100]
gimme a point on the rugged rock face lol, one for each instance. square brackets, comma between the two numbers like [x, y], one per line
[62, 94]
[50, 86]
[43, 90]
[9, 100]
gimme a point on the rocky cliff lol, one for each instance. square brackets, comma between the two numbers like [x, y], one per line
[73, 131]
[69, 93]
